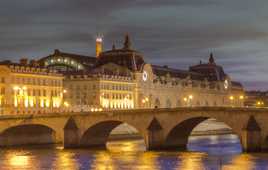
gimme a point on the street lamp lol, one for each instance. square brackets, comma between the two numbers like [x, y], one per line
[190, 98]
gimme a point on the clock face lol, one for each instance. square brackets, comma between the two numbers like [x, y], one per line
[226, 84]
[144, 76]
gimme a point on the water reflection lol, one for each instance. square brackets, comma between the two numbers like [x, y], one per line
[191, 161]
[130, 155]
[241, 162]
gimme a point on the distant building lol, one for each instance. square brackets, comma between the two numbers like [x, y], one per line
[28, 88]
[121, 79]
[66, 62]
[256, 99]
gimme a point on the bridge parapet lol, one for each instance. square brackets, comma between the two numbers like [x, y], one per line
[87, 126]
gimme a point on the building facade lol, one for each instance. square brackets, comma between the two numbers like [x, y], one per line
[256, 99]
[27, 88]
[121, 79]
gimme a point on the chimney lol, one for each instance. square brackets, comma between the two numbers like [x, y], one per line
[24, 61]
[98, 46]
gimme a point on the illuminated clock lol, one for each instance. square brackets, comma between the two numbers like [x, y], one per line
[226, 84]
[144, 76]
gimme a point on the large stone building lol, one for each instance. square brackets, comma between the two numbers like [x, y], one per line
[256, 99]
[121, 79]
[28, 88]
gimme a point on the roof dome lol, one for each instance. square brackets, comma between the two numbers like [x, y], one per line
[211, 70]
[125, 56]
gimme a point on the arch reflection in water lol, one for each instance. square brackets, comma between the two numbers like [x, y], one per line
[99, 134]
[202, 134]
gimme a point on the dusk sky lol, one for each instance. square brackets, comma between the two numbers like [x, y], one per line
[178, 33]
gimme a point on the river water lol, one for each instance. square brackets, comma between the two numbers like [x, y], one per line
[207, 153]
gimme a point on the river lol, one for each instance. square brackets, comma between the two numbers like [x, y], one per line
[206, 153]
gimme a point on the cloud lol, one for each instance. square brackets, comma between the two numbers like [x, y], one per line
[178, 33]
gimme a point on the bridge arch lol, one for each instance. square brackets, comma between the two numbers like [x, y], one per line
[97, 135]
[27, 134]
[177, 137]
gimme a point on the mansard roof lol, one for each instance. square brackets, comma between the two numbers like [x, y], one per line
[164, 70]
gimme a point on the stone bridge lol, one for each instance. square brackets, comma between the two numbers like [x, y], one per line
[162, 129]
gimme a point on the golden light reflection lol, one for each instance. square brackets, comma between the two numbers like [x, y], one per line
[126, 146]
[148, 160]
[103, 161]
[19, 160]
[241, 162]
[191, 161]
[65, 161]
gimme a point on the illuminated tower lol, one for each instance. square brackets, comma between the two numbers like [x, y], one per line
[98, 46]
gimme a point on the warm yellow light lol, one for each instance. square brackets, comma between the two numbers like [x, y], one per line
[231, 97]
[66, 104]
[16, 88]
[47, 103]
[42, 103]
[64, 91]
[241, 97]
[185, 99]
[15, 101]
[17, 161]
[26, 102]
[31, 102]
[143, 101]
[146, 99]
[191, 97]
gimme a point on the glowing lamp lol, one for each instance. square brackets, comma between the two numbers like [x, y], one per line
[99, 39]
